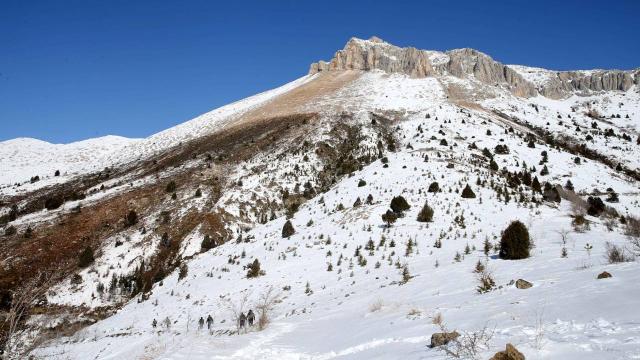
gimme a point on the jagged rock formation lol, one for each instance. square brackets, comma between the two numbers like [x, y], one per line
[377, 54]
[584, 81]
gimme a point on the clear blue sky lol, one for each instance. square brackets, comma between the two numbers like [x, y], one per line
[70, 70]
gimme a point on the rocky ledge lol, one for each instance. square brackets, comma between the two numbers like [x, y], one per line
[376, 54]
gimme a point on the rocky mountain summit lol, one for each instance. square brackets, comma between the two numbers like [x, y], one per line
[377, 54]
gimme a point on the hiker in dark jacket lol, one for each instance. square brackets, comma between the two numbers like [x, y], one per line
[251, 317]
[209, 322]
[200, 323]
[242, 321]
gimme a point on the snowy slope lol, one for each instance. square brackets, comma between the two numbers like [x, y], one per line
[336, 299]
[23, 158]
[357, 311]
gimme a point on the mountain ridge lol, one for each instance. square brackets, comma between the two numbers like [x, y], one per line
[359, 54]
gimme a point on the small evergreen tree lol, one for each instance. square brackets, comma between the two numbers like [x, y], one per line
[86, 257]
[406, 276]
[569, 185]
[207, 243]
[287, 229]
[544, 171]
[399, 204]
[467, 193]
[434, 187]
[369, 199]
[254, 269]
[389, 217]
[171, 187]
[535, 185]
[493, 165]
[486, 247]
[515, 242]
[596, 206]
[426, 214]
[131, 218]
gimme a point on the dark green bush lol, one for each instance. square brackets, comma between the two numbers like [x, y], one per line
[86, 257]
[287, 229]
[434, 187]
[467, 193]
[515, 242]
[426, 214]
[399, 204]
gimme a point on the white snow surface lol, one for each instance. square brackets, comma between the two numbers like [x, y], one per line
[362, 311]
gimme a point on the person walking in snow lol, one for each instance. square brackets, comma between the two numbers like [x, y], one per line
[209, 322]
[154, 323]
[200, 323]
[242, 321]
[250, 317]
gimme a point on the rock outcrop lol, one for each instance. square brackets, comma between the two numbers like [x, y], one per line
[604, 275]
[566, 82]
[467, 62]
[443, 338]
[376, 54]
[523, 284]
[510, 353]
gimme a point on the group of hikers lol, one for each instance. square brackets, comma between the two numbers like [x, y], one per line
[209, 322]
[243, 320]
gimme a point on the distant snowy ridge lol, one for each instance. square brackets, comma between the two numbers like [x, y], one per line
[23, 158]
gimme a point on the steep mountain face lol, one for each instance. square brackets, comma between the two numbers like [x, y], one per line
[275, 203]
[376, 54]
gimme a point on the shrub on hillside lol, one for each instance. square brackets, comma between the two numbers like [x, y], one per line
[399, 204]
[207, 243]
[287, 229]
[254, 269]
[53, 202]
[434, 187]
[596, 206]
[131, 218]
[171, 187]
[501, 149]
[10, 230]
[515, 242]
[389, 217]
[426, 214]
[493, 165]
[467, 193]
[86, 257]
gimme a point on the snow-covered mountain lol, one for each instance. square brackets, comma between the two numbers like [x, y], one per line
[136, 240]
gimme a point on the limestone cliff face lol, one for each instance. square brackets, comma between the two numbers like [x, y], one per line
[566, 82]
[465, 62]
[377, 54]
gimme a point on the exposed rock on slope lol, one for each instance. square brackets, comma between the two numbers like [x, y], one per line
[376, 54]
